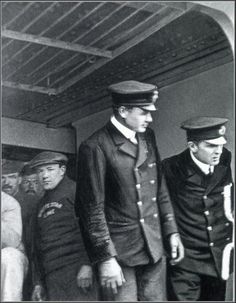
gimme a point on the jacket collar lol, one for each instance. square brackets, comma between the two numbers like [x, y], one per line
[194, 174]
[122, 143]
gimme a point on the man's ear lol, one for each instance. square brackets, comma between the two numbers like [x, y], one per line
[63, 169]
[19, 179]
[192, 146]
[123, 112]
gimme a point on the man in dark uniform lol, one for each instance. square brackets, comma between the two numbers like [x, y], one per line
[197, 180]
[61, 263]
[123, 201]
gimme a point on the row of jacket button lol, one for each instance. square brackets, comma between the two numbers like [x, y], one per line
[142, 220]
[138, 186]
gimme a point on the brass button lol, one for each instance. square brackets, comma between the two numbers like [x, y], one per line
[138, 186]
[142, 220]
[155, 215]
[152, 181]
[154, 199]
[209, 227]
[136, 169]
[228, 239]
[150, 165]
[227, 224]
[211, 244]
[204, 197]
[207, 213]
[140, 203]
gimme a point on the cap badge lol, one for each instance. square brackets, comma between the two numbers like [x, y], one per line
[222, 130]
[155, 96]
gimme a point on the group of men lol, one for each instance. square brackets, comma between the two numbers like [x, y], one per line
[133, 227]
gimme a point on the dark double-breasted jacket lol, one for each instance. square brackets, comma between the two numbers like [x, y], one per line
[198, 203]
[122, 199]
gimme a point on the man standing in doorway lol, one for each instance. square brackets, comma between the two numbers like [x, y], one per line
[123, 202]
[198, 180]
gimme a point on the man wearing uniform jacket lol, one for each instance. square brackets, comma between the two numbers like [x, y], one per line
[196, 179]
[122, 200]
[61, 267]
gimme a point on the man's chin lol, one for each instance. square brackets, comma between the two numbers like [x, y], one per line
[7, 191]
[142, 130]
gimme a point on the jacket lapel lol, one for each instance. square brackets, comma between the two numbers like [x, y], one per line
[142, 150]
[194, 174]
[124, 145]
[219, 171]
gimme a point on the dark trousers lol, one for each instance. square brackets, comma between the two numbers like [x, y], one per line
[62, 286]
[143, 283]
[184, 285]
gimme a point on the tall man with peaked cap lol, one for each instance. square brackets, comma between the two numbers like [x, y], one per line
[61, 263]
[196, 179]
[122, 200]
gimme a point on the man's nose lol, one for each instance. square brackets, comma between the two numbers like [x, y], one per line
[44, 174]
[31, 185]
[219, 149]
[149, 117]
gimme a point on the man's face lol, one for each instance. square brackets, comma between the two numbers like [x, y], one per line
[50, 175]
[10, 183]
[137, 119]
[208, 153]
[31, 185]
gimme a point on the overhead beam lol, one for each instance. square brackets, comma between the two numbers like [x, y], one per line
[31, 88]
[56, 43]
[171, 17]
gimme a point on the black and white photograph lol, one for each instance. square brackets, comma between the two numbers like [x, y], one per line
[118, 148]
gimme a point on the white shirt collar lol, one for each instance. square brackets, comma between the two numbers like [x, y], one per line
[205, 168]
[128, 133]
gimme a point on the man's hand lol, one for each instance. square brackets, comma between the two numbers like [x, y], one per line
[177, 249]
[38, 293]
[85, 277]
[111, 275]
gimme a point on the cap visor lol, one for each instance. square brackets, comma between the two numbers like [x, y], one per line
[150, 107]
[217, 141]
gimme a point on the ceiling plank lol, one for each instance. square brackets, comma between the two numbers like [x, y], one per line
[18, 16]
[171, 17]
[64, 33]
[31, 23]
[31, 88]
[134, 13]
[65, 63]
[57, 43]
[43, 48]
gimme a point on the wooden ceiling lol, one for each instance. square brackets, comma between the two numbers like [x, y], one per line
[59, 57]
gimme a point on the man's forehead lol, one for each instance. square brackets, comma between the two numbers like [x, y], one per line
[206, 143]
[11, 175]
[47, 166]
